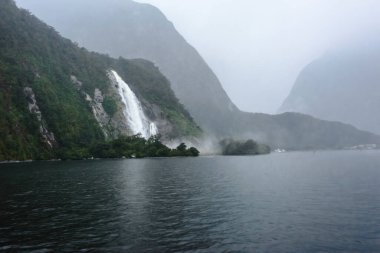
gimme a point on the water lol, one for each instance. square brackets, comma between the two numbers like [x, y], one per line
[133, 111]
[289, 202]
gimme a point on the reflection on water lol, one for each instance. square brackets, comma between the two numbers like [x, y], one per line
[293, 202]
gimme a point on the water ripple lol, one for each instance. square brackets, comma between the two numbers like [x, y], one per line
[296, 202]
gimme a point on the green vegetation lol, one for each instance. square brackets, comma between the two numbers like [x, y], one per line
[182, 125]
[110, 106]
[138, 147]
[249, 147]
[146, 80]
[34, 55]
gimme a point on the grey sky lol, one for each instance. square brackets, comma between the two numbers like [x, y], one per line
[257, 47]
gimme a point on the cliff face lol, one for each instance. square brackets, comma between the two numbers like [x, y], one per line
[58, 99]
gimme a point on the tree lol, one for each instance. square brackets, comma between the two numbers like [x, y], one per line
[193, 151]
[182, 147]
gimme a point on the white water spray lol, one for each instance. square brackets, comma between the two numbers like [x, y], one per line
[133, 112]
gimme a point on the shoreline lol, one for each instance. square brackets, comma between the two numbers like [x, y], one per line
[168, 157]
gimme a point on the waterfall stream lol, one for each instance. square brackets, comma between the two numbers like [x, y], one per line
[133, 111]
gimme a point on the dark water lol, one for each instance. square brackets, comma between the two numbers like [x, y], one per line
[293, 202]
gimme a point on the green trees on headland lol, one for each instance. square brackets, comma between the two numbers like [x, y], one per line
[137, 147]
[249, 147]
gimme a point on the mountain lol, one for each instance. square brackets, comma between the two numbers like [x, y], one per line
[58, 99]
[343, 85]
[308, 133]
[134, 30]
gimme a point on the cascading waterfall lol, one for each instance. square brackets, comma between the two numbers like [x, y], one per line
[133, 112]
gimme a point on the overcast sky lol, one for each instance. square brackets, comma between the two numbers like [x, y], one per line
[258, 47]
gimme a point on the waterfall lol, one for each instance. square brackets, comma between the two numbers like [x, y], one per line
[133, 111]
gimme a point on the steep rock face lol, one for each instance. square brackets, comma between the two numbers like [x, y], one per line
[97, 108]
[133, 111]
[48, 136]
[342, 86]
[96, 105]
[49, 85]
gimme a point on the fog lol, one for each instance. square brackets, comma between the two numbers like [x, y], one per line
[257, 48]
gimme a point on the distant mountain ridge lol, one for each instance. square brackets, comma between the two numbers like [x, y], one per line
[135, 30]
[342, 86]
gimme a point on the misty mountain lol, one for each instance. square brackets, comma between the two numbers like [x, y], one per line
[295, 131]
[343, 85]
[57, 100]
[134, 30]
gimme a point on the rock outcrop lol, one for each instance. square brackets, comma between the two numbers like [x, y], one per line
[47, 136]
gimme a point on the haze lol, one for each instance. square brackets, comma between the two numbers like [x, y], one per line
[257, 48]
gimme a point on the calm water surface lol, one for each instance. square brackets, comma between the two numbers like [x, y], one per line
[291, 202]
